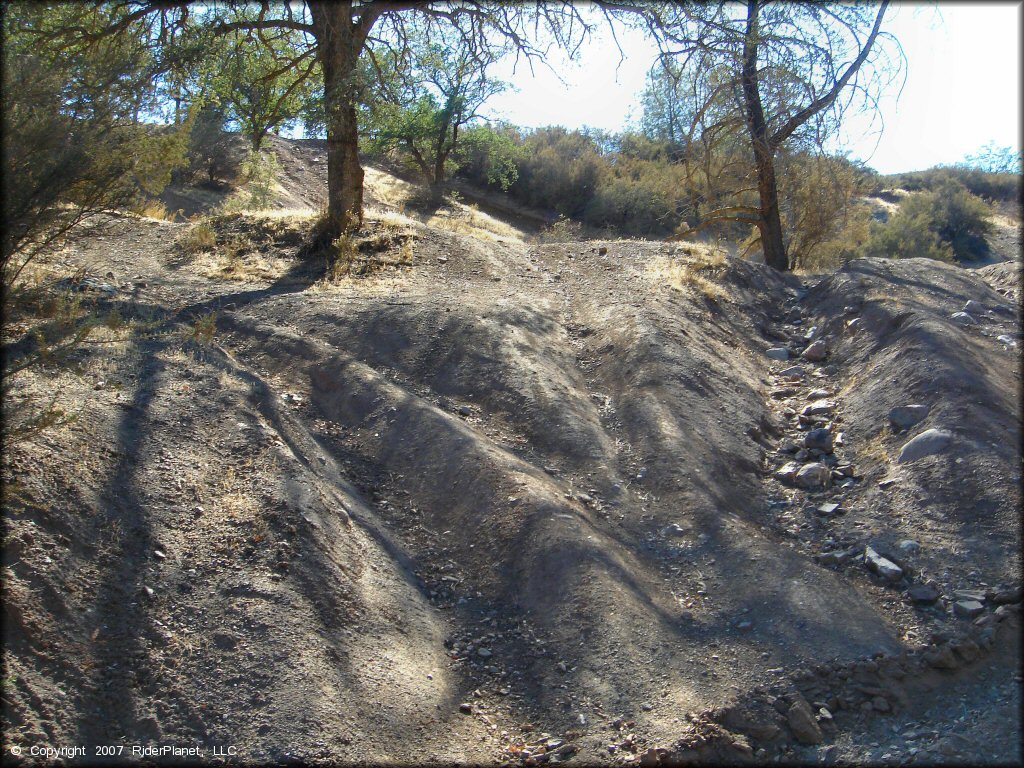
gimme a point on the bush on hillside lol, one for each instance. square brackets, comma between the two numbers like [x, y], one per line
[209, 147]
[906, 236]
[990, 186]
[947, 223]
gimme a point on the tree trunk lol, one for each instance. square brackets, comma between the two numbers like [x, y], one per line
[769, 223]
[339, 43]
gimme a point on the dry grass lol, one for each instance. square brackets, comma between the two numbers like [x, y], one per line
[199, 237]
[154, 209]
[238, 264]
[695, 267]
[247, 247]
[453, 216]
[384, 248]
[469, 220]
[874, 448]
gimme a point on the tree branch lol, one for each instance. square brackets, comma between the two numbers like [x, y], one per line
[818, 105]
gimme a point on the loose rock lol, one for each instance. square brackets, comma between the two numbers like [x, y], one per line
[778, 353]
[903, 417]
[815, 352]
[928, 443]
[787, 472]
[885, 568]
[963, 319]
[793, 372]
[819, 408]
[820, 439]
[1007, 596]
[968, 608]
[923, 593]
[802, 723]
[814, 475]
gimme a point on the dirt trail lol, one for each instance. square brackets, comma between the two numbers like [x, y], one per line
[519, 503]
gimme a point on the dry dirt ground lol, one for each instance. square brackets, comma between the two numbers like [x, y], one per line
[496, 501]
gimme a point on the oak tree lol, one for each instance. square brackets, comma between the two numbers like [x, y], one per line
[793, 70]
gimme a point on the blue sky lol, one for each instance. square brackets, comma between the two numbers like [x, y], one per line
[962, 88]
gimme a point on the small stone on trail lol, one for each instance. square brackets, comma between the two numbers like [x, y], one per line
[1007, 340]
[802, 722]
[466, 708]
[650, 758]
[1007, 596]
[929, 442]
[778, 353]
[159, 555]
[814, 475]
[909, 546]
[793, 372]
[885, 568]
[963, 319]
[968, 608]
[888, 482]
[787, 472]
[828, 509]
[484, 653]
[465, 410]
[975, 307]
[903, 417]
[819, 408]
[815, 352]
[923, 593]
[820, 439]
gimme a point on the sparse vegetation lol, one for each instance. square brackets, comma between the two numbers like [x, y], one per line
[204, 328]
[199, 237]
[697, 268]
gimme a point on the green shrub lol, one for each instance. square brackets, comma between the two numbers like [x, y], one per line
[961, 219]
[984, 184]
[562, 230]
[907, 236]
[948, 223]
[260, 170]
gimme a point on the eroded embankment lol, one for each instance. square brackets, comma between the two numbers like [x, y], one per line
[526, 493]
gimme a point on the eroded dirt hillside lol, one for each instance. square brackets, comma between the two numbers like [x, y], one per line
[511, 502]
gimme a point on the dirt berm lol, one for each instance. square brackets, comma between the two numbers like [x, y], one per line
[511, 503]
